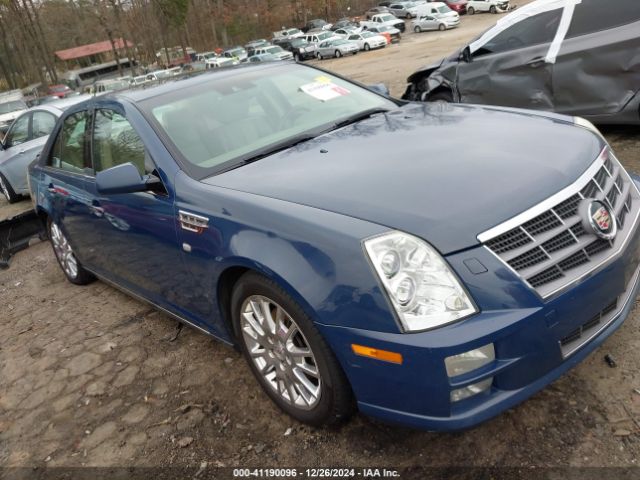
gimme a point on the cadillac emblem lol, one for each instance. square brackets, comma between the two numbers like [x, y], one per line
[601, 220]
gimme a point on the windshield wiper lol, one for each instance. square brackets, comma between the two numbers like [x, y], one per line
[278, 147]
[357, 117]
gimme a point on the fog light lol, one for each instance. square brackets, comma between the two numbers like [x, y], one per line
[471, 390]
[468, 361]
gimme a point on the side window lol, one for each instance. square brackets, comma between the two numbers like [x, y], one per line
[534, 30]
[116, 142]
[18, 133]
[592, 16]
[42, 124]
[68, 151]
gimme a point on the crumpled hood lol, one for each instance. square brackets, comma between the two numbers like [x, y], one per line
[442, 172]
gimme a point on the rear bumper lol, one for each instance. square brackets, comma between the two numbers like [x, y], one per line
[526, 333]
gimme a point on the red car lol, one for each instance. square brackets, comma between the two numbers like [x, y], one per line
[459, 6]
[59, 91]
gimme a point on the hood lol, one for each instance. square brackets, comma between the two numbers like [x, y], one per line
[439, 171]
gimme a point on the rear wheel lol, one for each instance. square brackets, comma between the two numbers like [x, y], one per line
[7, 190]
[287, 354]
[417, 29]
[319, 56]
[338, 53]
[471, 10]
[72, 268]
[493, 9]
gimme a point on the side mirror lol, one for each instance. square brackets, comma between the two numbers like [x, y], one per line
[125, 178]
[465, 55]
[380, 88]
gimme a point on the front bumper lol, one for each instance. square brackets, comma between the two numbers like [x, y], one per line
[526, 331]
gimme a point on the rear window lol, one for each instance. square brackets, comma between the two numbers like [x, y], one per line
[595, 15]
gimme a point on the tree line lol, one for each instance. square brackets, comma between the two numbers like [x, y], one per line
[32, 30]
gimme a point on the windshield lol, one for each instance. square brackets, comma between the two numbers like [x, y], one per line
[387, 18]
[9, 107]
[444, 9]
[324, 36]
[299, 42]
[274, 50]
[229, 119]
[367, 34]
[293, 31]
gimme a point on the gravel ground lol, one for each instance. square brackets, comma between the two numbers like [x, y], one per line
[91, 377]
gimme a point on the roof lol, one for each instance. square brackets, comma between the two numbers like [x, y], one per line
[91, 49]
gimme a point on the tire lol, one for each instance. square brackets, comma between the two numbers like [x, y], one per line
[442, 27]
[338, 54]
[296, 57]
[266, 351]
[471, 10]
[366, 47]
[442, 96]
[318, 56]
[417, 29]
[70, 265]
[7, 190]
[493, 9]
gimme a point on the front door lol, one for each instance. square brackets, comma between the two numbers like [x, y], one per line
[134, 234]
[509, 69]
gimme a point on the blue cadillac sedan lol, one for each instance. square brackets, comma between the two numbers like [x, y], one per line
[357, 254]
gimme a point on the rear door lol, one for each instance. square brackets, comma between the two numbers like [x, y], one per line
[597, 69]
[509, 69]
[64, 178]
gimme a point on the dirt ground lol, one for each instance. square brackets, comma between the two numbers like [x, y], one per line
[91, 377]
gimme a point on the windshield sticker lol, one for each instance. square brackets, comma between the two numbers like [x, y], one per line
[324, 91]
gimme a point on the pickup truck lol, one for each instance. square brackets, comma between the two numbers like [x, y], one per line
[385, 19]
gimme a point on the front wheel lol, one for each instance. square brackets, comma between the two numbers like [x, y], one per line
[72, 268]
[471, 10]
[442, 27]
[7, 190]
[442, 96]
[287, 354]
[338, 53]
[366, 47]
[493, 9]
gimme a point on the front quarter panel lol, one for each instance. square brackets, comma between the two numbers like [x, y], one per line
[315, 255]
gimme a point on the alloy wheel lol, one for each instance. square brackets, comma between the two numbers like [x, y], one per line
[64, 252]
[281, 353]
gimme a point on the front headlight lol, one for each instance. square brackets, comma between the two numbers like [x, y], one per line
[424, 291]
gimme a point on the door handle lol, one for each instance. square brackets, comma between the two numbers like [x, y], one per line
[20, 152]
[536, 62]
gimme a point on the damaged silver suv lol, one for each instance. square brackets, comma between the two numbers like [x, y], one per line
[576, 57]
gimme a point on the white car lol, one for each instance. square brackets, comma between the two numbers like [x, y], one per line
[346, 32]
[384, 19]
[276, 51]
[220, 62]
[318, 37]
[288, 33]
[336, 48]
[492, 6]
[368, 40]
[435, 22]
[407, 10]
[12, 105]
